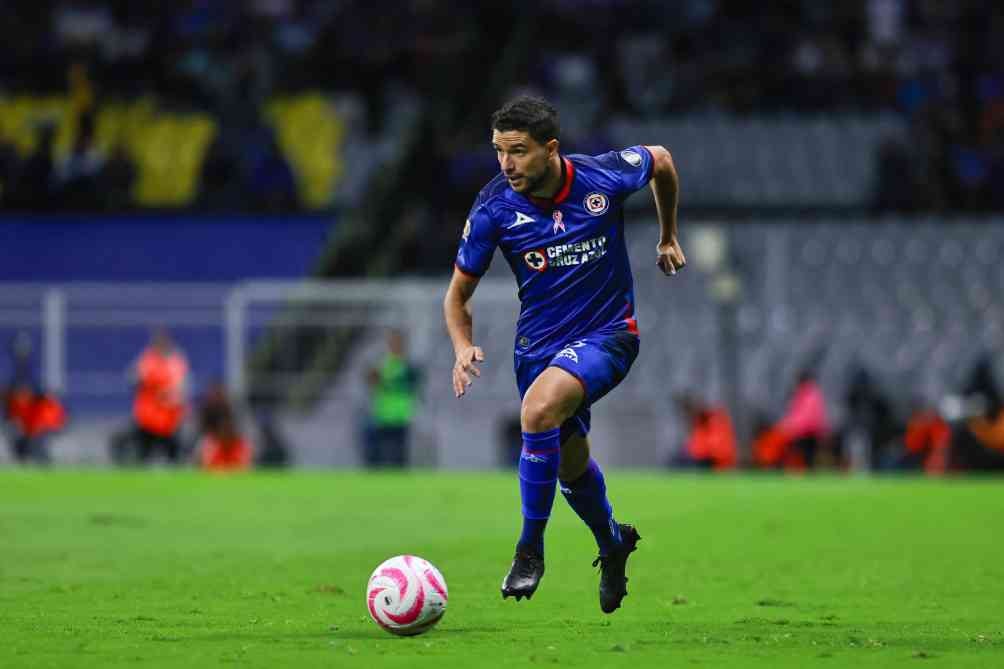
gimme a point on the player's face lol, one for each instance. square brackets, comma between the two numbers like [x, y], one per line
[524, 161]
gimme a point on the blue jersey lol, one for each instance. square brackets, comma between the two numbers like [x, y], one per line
[568, 253]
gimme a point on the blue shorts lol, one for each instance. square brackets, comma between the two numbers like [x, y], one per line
[599, 361]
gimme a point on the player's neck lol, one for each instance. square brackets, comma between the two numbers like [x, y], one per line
[555, 178]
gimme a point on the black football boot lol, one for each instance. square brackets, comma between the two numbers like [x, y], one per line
[613, 582]
[524, 575]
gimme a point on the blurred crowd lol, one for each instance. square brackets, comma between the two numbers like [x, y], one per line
[964, 432]
[165, 425]
[222, 65]
[877, 430]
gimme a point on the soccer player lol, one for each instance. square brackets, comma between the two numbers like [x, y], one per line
[560, 224]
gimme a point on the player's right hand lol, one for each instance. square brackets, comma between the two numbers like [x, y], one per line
[464, 367]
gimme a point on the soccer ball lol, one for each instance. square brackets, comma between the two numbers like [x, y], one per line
[406, 595]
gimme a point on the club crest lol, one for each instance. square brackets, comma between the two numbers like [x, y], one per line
[596, 203]
[535, 260]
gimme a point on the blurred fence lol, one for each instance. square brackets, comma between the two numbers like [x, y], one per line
[915, 302]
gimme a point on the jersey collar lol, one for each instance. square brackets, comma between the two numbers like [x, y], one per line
[567, 176]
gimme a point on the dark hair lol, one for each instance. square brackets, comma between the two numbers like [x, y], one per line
[536, 116]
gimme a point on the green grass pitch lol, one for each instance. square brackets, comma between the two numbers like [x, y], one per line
[180, 569]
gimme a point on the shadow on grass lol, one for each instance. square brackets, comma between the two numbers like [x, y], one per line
[378, 634]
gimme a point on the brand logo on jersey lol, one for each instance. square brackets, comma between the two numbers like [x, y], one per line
[535, 260]
[576, 253]
[521, 218]
[631, 157]
[467, 229]
[568, 353]
[558, 223]
[596, 203]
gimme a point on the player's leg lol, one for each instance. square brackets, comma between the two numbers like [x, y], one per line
[584, 488]
[172, 447]
[553, 396]
[600, 362]
[144, 444]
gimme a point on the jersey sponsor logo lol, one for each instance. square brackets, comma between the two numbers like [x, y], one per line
[467, 229]
[559, 224]
[535, 260]
[631, 157]
[576, 253]
[568, 353]
[521, 218]
[596, 203]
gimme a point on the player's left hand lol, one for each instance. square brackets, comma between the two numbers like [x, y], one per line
[670, 257]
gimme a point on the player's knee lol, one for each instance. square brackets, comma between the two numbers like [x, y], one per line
[540, 415]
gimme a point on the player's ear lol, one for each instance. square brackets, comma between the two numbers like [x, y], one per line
[552, 147]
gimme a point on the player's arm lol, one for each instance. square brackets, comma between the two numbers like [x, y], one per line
[460, 325]
[665, 185]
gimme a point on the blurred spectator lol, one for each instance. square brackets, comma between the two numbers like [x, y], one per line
[795, 441]
[273, 448]
[770, 448]
[895, 184]
[159, 407]
[33, 184]
[222, 447]
[115, 180]
[8, 171]
[21, 349]
[393, 401]
[77, 175]
[711, 443]
[32, 417]
[978, 443]
[871, 427]
[269, 177]
[805, 425]
[927, 441]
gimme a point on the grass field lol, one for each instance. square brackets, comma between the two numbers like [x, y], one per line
[177, 569]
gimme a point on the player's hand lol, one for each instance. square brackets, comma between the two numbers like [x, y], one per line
[464, 368]
[670, 257]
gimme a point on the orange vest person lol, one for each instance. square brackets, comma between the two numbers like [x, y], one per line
[712, 439]
[159, 407]
[225, 454]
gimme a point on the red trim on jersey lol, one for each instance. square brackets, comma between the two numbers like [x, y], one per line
[562, 194]
[632, 323]
[566, 187]
[466, 273]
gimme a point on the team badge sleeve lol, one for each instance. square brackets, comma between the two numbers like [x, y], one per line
[477, 243]
[630, 168]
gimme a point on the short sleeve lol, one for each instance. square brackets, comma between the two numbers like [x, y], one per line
[477, 245]
[630, 168]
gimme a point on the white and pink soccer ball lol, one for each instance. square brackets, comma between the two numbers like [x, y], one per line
[406, 595]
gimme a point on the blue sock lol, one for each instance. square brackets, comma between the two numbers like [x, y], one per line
[587, 495]
[538, 472]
